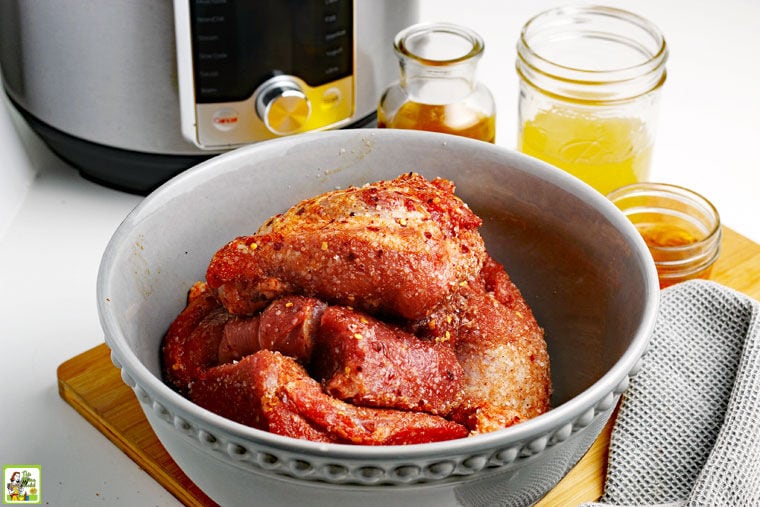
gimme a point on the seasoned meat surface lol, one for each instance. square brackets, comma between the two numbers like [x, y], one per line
[500, 346]
[273, 392]
[396, 247]
[367, 362]
[370, 315]
[191, 344]
[503, 353]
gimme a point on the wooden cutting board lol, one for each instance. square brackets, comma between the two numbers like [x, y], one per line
[92, 385]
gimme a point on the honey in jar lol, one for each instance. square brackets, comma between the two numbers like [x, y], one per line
[680, 227]
[437, 90]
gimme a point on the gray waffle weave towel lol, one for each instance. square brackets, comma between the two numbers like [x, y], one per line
[688, 429]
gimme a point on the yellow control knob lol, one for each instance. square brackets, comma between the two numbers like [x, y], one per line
[282, 106]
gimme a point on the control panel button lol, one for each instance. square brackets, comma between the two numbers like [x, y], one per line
[331, 98]
[282, 106]
[225, 119]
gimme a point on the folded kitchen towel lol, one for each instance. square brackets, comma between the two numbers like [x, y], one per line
[688, 428]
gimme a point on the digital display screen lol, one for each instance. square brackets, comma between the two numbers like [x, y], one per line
[239, 44]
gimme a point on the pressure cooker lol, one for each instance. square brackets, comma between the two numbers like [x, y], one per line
[132, 92]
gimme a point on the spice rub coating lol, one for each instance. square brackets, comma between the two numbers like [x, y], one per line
[397, 247]
[371, 315]
[502, 351]
[367, 362]
[273, 392]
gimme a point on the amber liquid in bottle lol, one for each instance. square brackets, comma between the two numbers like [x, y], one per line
[437, 90]
[455, 119]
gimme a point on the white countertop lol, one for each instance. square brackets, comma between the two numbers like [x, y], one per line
[54, 224]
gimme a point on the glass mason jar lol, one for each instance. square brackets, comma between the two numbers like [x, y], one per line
[681, 228]
[590, 81]
[438, 90]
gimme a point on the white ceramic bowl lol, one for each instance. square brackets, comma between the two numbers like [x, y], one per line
[580, 264]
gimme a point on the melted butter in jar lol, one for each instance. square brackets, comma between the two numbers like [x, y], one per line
[606, 153]
[680, 227]
[589, 91]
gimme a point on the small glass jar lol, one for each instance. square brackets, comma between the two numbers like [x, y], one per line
[590, 80]
[438, 90]
[681, 228]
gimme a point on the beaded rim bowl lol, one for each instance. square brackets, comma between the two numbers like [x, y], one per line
[582, 266]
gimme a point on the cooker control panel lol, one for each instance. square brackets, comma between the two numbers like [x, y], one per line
[255, 70]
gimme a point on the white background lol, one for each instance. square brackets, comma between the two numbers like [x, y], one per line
[54, 225]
